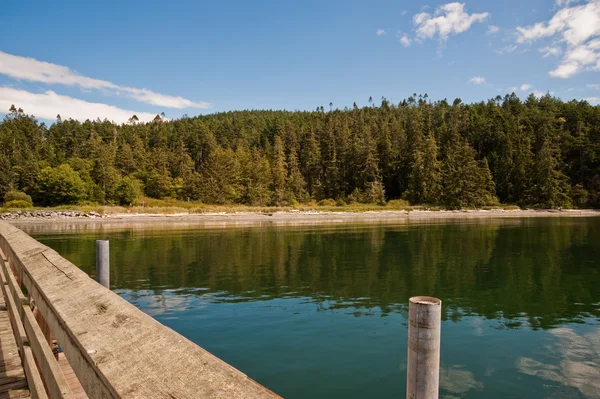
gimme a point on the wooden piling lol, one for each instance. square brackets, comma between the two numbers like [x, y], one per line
[424, 327]
[103, 263]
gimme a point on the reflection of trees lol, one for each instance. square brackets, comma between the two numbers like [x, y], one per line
[530, 270]
[578, 363]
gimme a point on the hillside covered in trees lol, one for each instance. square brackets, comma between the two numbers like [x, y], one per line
[540, 152]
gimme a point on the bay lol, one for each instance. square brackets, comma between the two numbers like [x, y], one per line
[321, 311]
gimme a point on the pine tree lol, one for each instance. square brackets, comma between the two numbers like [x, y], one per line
[550, 186]
[279, 171]
[431, 188]
[465, 183]
[296, 183]
[311, 155]
[221, 176]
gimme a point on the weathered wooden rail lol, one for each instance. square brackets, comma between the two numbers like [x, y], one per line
[115, 350]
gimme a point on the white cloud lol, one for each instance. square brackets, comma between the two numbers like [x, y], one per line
[594, 86]
[539, 93]
[403, 12]
[33, 70]
[548, 51]
[565, 70]
[448, 19]
[578, 30]
[525, 87]
[565, 3]
[579, 58]
[575, 24]
[593, 100]
[405, 41]
[380, 32]
[477, 80]
[49, 104]
[507, 49]
[492, 29]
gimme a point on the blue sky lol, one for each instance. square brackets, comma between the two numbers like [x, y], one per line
[112, 58]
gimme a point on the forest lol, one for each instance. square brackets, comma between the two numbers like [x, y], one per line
[540, 152]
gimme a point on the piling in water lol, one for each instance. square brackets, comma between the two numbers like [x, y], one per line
[102, 263]
[423, 368]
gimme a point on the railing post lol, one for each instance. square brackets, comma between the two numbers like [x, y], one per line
[103, 263]
[424, 327]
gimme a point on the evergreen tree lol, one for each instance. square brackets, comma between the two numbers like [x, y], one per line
[540, 152]
[465, 183]
[279, 169]
[550, 188]
[296, 183]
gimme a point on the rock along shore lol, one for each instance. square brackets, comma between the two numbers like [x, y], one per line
[291, 215]
[43, 215]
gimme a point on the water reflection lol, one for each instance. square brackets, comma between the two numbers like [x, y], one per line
[526, 272]
[457, 381]
[320, 311]
[575, 361]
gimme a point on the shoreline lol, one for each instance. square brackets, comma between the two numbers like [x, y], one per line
[223, 219]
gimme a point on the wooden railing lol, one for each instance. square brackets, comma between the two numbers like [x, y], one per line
[116, 350]
[39, 363]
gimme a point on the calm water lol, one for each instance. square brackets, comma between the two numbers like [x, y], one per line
[320, 312]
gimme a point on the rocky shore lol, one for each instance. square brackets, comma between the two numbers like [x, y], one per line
[280, 217]
[43, 214]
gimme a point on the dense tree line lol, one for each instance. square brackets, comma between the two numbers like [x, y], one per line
[538, 152]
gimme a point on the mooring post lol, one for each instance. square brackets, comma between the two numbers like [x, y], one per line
[424, 327]
[102, 263]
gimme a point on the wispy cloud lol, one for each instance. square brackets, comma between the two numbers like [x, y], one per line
[380, 32]
[404, 40]
[49, 104]
[593, 100]
[448, 19]
[548, 51]
[32, 70]
[539, 93]
[507, 49]
[477, 80]
[492, 29]
[593, 86]
[523, 87]
[578, 31]
[565, 3]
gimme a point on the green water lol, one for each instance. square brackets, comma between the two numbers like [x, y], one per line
[320, 312]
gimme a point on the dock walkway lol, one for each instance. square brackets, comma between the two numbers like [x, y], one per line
[13, 383]
[110, 348]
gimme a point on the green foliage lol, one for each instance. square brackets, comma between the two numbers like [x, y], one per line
[129, 190]
[356, 196]
[398, 204]
[541, 152]
[374, 193]
[466, 184]
[60, 185]
[550, 185]
[18, 204]
[5, 174]
[327, 202]
[14, 195]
